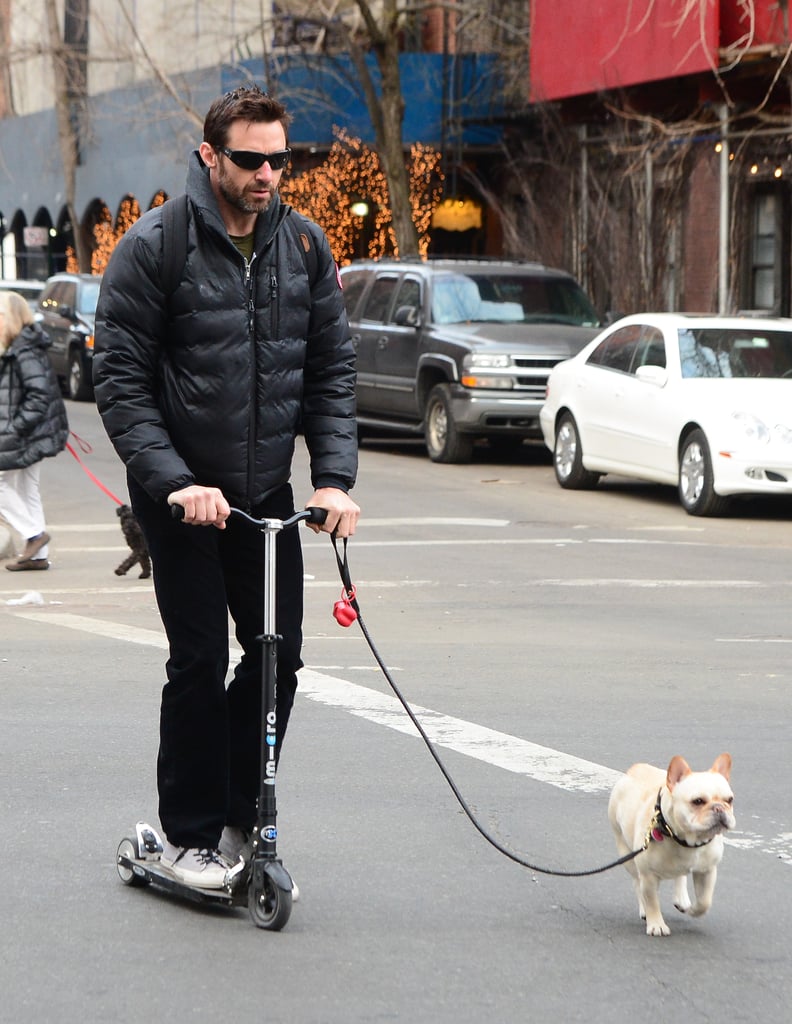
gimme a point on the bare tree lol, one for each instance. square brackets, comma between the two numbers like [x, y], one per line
[386, 110]
[6, 98]
[384, 29]
[373, 32]
[69, 47]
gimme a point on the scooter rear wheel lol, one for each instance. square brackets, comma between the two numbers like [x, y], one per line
[270, 907]
[128, 848]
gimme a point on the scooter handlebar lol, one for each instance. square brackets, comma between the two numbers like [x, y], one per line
[314, 515]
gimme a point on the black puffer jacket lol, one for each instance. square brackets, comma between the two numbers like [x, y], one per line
[211, 385]
[33, 422]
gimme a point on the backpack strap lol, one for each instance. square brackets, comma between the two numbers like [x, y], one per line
[174, 242]
[305, 244]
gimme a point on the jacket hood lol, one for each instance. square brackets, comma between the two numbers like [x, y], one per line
[31, 336]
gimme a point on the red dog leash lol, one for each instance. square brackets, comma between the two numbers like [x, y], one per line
[87, 449]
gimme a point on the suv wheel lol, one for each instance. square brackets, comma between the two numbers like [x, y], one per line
[443, 441]
[77, 388]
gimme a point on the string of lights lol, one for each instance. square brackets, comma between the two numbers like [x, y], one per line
[347, 195]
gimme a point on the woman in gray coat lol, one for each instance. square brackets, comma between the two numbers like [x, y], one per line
[33, 426]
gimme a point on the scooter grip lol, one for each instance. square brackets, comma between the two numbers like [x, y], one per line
[317, 515]
[177, 511]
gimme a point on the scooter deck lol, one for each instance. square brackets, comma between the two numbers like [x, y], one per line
[151, 872]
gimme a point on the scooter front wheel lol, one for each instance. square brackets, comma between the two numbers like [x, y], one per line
[270, 906]
[128, 849]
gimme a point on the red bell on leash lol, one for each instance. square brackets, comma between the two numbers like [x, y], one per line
[343, 611]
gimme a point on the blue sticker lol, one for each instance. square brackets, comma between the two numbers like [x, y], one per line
[271, 741]
[270, 835]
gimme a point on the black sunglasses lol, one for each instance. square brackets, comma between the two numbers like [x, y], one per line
[252, 161]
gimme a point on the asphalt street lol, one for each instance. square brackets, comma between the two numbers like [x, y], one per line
[550, 639]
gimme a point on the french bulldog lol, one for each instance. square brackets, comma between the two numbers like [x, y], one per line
[677, 819]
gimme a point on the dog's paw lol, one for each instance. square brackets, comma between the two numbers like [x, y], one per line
[144, 575]
[684, 907]
[698, 909]
[119, 572]
[658, 928]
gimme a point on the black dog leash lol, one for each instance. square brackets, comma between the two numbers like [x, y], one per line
[346, 611]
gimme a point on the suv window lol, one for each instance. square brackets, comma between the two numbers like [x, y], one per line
[354, 285]
[88, 296]
[510, 298]
[409, 294]
[379, 300]
[60, 293]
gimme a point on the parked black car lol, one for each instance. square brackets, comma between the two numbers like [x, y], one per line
[67, 308]
[460, 349]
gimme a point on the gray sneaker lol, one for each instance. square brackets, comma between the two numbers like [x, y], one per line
[238, 842]
[204, 869]
[235, 843]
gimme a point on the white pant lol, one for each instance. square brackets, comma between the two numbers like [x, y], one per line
[20, 502]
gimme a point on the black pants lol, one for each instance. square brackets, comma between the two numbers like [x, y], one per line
[210, 736]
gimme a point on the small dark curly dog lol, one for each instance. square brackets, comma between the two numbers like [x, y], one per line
[133, 535]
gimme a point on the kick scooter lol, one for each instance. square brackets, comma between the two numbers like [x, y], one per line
[262, 882]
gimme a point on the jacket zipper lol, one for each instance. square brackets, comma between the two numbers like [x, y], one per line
[251, 317]
[273, 303]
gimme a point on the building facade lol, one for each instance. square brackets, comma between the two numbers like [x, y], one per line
[136, 77]
[679, 128]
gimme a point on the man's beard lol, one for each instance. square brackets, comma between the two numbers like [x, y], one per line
[237, 197]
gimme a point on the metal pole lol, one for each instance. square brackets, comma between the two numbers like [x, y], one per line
[649, 215]
[723, 227]
[582, 246]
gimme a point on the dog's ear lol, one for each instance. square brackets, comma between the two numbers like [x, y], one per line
[677, 771]
[722, 765]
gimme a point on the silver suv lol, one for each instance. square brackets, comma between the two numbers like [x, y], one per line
[460, 349]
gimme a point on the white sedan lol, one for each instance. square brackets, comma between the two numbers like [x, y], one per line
[700, 402]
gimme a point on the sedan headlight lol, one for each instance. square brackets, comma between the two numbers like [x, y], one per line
[782, 434]
[755, 430]
[751, 427]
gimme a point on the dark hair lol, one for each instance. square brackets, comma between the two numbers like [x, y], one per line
[247, 103]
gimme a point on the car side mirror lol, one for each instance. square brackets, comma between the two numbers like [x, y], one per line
[407, 316]
[67, 312]
[657, 375]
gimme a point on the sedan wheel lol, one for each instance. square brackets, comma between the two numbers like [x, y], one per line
[568, 457]
[696, 482]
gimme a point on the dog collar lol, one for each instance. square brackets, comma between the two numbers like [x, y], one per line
[659, 829]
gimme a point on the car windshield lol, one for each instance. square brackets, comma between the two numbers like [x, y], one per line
[735, 352]
[504, 298]
[88, 296]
